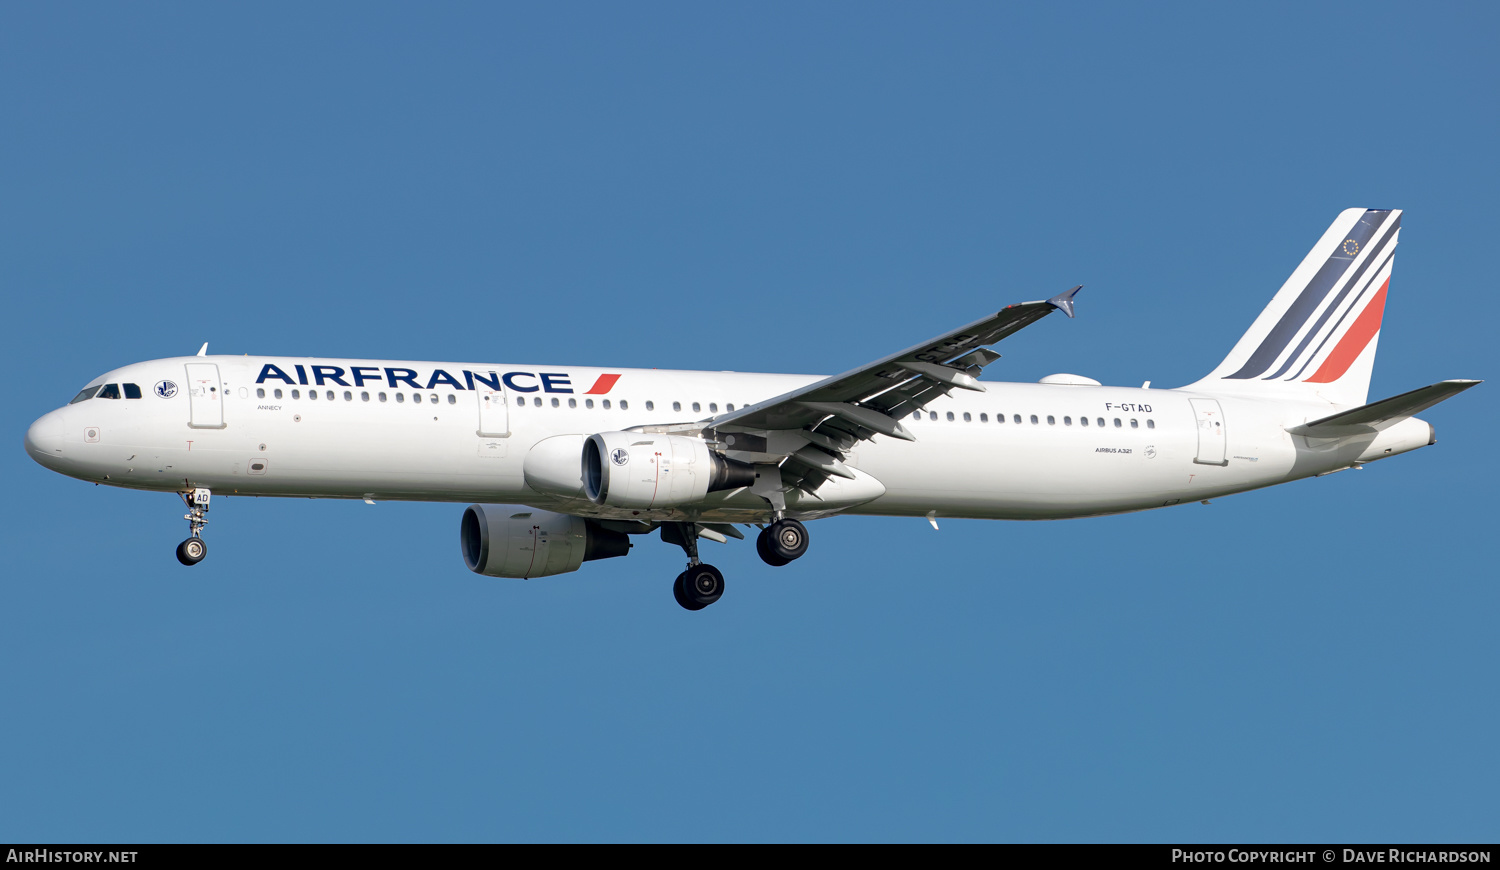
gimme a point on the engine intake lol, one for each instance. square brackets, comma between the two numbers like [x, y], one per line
[506, 540]
[634, 470]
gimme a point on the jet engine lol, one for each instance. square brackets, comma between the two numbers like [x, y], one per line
[505, 540]
[634, 470]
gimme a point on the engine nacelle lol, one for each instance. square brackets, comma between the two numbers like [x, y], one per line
[634, 470]
[506, 540]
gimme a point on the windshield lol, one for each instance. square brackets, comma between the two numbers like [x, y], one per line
[85, 393]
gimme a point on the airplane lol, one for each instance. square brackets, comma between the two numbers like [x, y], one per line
[566, 464]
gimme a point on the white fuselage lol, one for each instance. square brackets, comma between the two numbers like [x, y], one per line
[418, 431]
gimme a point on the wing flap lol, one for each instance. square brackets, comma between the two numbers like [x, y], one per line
[806, 434]
[911, 378]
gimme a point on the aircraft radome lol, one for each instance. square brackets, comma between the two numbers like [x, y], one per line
[568, 464]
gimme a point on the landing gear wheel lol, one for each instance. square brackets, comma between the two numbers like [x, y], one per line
[783, 541]
[192, 551]
[698, 586]
[763, 547]
[681, 595]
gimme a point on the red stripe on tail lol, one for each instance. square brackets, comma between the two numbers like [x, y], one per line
[603, 385]
[1354, 341]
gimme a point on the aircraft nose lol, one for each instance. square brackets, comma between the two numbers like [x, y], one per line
[44, 440]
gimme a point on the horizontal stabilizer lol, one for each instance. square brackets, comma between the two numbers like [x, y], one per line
[1378, 415]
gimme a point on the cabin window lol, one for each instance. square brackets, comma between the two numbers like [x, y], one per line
[1100, 421]
[400, 398]
[364, 396]
[520, 401]
[624, 405]
[1034, 420]
[1117, 422]
[84, 395]
[967, 418]
[556, 403]
[110, 391]
[697, 407]
[133, 391]
[296, 394]
[605, 403]
[416, 398]
[1083, 421]
[573, 403]
[931, 415]
[650, 405]
[453, 398]
[984, 418]
[713, 407]
[348, 396]
[1150, 424]
[276, 393]
[1067, 421]
[1051, 420]
[677, 406]
[381, 396]
[950, 416]
[729, 407]
[1016, 418]
[1134, 424]
[311, 394]
[588, 403]
[536, 402]
[260, 392]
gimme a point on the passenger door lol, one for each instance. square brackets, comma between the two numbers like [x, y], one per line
[205, 396]
[1211, 435]
[494, 414]
[494, 421]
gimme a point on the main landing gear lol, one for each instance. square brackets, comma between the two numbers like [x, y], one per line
[192, 551]
[701, 585]
[781, 542]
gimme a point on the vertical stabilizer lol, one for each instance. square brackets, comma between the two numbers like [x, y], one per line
[1316, 340]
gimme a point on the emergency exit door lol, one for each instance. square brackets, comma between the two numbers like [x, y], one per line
[205, 396]
[1211, 435]
[494, 414]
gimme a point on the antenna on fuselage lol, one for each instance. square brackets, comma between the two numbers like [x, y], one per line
[203, 351]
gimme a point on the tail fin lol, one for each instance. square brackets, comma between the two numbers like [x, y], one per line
[1316, 340]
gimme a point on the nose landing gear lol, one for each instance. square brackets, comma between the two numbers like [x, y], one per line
[192, 551]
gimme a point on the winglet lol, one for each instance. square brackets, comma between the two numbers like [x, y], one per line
[203, 351]
[1064, 301]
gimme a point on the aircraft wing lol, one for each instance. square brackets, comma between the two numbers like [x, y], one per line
[812, 427]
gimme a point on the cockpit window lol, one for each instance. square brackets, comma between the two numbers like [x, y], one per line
[85, 394]
[132, 391]
[110, 391]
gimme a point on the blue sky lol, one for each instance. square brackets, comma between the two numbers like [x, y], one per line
[770, 187]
